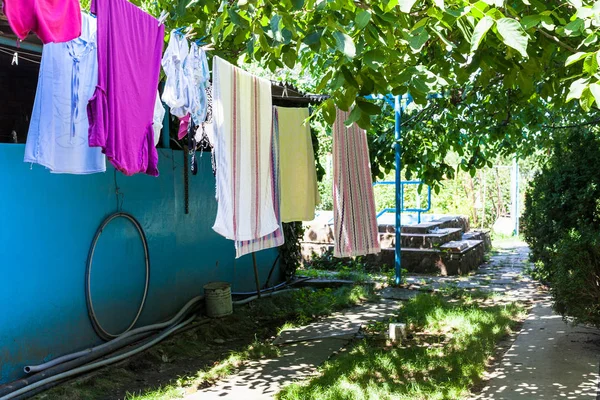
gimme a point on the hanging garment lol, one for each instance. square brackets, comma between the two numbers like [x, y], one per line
[355, 221]
[157, 119]
[54, 21]
[276, 238]
[184, 123]
[205, 135]
[242, 120]
[196, 72]
[58, 132]
[130, 45]
[299, 190]
[175, 93]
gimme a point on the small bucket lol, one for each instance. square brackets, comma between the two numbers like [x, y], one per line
[217, 296]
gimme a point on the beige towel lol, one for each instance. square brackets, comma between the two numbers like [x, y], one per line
[298, 177]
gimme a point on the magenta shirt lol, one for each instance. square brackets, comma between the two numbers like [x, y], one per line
[130, 44]
[55, 21]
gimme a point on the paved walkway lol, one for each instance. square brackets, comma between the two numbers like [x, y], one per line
[548, 359]
[302, 352]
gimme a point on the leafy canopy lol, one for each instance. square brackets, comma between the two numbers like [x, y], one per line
[504, 71]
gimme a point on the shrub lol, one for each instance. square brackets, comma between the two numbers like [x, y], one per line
[562, 225]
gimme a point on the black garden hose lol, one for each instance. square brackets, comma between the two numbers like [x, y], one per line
[103, 333]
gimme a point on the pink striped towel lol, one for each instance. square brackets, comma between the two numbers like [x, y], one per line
[276, 238]
[355, 220]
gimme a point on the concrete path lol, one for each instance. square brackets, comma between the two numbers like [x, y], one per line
[548, 359]
[303, 350]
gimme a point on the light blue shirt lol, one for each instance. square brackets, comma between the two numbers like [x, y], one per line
[58, 132]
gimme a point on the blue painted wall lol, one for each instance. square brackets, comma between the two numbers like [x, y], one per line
[47, 223]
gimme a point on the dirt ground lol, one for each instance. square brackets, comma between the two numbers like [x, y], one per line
[180, 356]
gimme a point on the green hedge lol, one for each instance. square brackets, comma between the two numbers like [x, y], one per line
[562, 225]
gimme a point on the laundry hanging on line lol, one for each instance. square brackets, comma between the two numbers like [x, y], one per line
[355, 221]
[299, 190]
[158, 118]
[130, 44]
[58, 132]
[187, 74]
[276, 238]
[242, 122]
[53, 21]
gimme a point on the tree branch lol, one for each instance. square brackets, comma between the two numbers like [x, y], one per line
[557, 40]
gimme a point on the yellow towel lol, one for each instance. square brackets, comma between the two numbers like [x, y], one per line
[299, 194]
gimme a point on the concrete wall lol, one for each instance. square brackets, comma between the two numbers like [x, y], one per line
[47, 223]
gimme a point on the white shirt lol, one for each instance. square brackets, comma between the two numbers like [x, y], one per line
[58, 132]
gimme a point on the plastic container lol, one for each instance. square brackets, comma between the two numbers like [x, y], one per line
[217, 296]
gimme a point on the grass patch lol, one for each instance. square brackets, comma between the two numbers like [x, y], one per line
[452, 339]
[200, 356]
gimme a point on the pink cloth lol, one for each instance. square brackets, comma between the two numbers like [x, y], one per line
[52, 20]
[184, 124]
[121, 111]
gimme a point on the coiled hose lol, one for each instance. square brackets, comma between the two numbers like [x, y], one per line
[103, 333]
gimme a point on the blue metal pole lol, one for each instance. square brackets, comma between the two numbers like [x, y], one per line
[398, 112]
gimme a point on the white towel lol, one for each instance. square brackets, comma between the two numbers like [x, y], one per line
[242, 112]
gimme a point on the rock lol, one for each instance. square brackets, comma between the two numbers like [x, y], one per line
[397, 332]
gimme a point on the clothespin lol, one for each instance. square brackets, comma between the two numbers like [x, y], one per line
[189, 32]
[284, 93]
[208, 47]
[163, 16]
[15, 59]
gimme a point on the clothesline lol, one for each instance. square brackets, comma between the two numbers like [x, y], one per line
[20, 57]
[97, 105]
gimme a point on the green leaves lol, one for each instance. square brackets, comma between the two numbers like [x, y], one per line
[573, 58]
[482, 27]
[362, 19]
[576, 89]
[418, 39]
[344, 44]
[374, 59]
[595, 90]
[513, 34]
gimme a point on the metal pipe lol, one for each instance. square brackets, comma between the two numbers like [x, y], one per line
[90, 367]
[249, 299]
[68, 357]
[271, 289]
[398, 259]
[256, 275]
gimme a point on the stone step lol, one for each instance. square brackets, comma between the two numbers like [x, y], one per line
[423, 228]
[441, 223]
[324, 235]
[458, 258]
[425, 260]
[480, 234]
[430, 240]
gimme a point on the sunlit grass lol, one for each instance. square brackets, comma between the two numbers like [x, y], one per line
[296, 308]
[451, 343]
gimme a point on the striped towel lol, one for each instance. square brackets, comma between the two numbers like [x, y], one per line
[276, 238]
[243, 118]
[355, 221]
